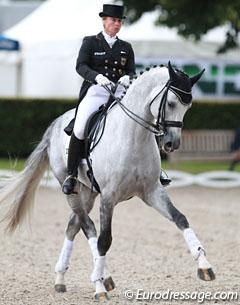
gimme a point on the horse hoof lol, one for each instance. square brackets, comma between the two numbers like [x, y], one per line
[101, 297]
[60, 288]
[109, 283]
[206, 274]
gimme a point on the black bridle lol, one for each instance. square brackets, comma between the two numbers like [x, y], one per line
[161, 121]
[159, 128]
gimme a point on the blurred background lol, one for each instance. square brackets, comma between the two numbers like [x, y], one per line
[39, 43]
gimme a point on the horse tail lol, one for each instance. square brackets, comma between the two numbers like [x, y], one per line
[19, 191]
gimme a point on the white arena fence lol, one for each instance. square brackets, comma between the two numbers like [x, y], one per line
[213, 179]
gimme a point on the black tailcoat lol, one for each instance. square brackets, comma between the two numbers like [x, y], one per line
[96, 57]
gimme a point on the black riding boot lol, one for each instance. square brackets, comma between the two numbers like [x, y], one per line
[76, 152]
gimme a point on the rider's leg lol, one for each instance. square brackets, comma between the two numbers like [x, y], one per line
[76, 152]
[95, 97]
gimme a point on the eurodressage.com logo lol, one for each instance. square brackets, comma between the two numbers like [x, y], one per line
[168, 295]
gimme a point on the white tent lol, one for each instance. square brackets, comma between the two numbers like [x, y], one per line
[51, 37]
[154, 41]
[10, 65]
[10, 72]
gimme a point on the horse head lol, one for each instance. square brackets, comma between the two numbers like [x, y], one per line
[176, 99]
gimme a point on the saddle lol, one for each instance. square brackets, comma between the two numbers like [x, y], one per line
[93, 132]
[90, 126]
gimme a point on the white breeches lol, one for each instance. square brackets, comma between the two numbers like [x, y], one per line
[95, 97]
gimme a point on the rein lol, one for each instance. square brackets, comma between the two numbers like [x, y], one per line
[161, 124]
[147, 125]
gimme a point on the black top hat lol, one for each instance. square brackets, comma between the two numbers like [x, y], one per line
[112, 10]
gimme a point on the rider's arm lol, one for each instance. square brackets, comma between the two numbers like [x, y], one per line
[84, 61]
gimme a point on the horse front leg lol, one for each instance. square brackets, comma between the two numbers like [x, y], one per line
[158, 198]
[103, 245]
[108, 281]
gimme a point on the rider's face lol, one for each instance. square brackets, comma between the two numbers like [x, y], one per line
[112, 25]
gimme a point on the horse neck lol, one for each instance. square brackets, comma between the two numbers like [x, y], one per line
[137, 100]
[143, 90]
[139, 94]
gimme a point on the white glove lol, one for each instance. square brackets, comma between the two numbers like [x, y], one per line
[102, 80]
[124, 81]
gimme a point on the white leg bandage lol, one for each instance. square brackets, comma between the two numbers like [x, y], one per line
[193, 243]
[98, 271]
[100, 287]
[59, 279]
[93, 245]
[202, 261]
[64, 257]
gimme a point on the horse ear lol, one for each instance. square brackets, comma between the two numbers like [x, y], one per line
[196, 77]
[172, 73]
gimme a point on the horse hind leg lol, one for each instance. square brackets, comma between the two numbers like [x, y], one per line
[159, 200]
[62, 264]
[80, 207]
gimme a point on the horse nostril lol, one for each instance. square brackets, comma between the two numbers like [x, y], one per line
[168, 146]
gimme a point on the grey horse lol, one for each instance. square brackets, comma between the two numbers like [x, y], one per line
[126, 163]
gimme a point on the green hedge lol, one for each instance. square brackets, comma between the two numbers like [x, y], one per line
[213, 115]
[23, 121]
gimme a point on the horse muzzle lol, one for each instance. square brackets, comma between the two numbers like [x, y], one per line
[170, 144]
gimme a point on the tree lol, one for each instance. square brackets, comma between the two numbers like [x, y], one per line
[192, 18]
